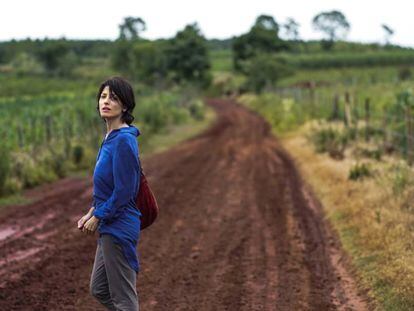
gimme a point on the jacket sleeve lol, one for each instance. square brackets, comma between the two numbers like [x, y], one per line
[126, 180]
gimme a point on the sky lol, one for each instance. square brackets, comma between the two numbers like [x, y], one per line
[91, 19]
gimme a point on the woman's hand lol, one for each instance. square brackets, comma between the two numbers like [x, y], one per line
[85, 218]
[82, 221]
[90, 226]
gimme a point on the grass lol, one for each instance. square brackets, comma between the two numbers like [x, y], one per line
[374, 226]
[16, 199]
[173, 135]
[221, 60]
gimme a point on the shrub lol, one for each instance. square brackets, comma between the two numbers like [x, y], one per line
[329, 140]
[26, 170]
[359, 171]
[401, 178]
[77, 154]
[197, 109]
[265, 70]
[404, 73]
[369, 153]
[13, 185]
[59, 165]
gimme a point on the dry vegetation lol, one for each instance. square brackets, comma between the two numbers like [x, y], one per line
[374, 216]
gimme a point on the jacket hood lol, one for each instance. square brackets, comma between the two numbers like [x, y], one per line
[132, 130]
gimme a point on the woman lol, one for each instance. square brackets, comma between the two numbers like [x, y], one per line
[116, 181]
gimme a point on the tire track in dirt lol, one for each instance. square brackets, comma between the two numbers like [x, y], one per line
[238, 230]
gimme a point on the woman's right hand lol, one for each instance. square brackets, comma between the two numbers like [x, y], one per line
[85, 218]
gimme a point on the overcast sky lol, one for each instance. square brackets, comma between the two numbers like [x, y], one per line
[92, 19]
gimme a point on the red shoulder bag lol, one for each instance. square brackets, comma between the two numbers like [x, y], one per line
[146, 202]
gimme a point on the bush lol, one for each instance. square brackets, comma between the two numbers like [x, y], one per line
[150, 63]
[77, 154]
[197, 109]
[25, 63]
[265, 70]
[359, 171]
[59, 165]
[401, 178]
[404, 73]
[13, 185]
[26, 170]
[329, 140]
[369, 153]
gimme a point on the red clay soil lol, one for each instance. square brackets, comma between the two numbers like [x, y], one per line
[238, 230]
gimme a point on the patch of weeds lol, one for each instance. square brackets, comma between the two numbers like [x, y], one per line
[329, 140]
[359, 171]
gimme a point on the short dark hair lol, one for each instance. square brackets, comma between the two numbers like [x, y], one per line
[123, 90]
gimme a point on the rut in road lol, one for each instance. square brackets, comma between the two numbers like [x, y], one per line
[238, 230]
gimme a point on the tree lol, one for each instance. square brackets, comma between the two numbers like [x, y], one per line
[188, 57]
[121, 58]
[264, 34]
[388, 33]
[150, 63]
[291, 29]
[265, 70]
[334, 24]
[129, 31]
[56, 57]
[263, 37]
[131, 28]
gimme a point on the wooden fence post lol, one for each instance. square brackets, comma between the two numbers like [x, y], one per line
[387, 134]
[312, 98]
[409, 134]
[335, 108]
[48, 127]
[367, 116]
[348, 117]
[355, 115]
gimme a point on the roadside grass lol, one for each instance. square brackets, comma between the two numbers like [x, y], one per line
[374, 217]
[16, 199]
[173, 135]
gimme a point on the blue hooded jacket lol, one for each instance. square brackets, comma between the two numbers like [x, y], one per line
[116, 181]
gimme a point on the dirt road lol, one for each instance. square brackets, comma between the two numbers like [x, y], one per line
[238, 230]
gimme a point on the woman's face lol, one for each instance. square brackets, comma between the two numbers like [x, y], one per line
[109, 104]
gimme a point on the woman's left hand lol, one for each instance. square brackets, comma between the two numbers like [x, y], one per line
[90, 226]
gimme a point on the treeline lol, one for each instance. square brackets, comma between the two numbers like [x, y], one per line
[268, 52]
[264, 57]
[161, 63]
[348, 59]
[50, 57]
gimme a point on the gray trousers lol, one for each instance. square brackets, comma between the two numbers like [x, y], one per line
[113, 281]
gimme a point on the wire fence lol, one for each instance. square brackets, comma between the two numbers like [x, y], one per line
[390, 128]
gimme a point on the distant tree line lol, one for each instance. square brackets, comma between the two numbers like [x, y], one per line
[260, 53]
[55, 57]
[181, 59]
